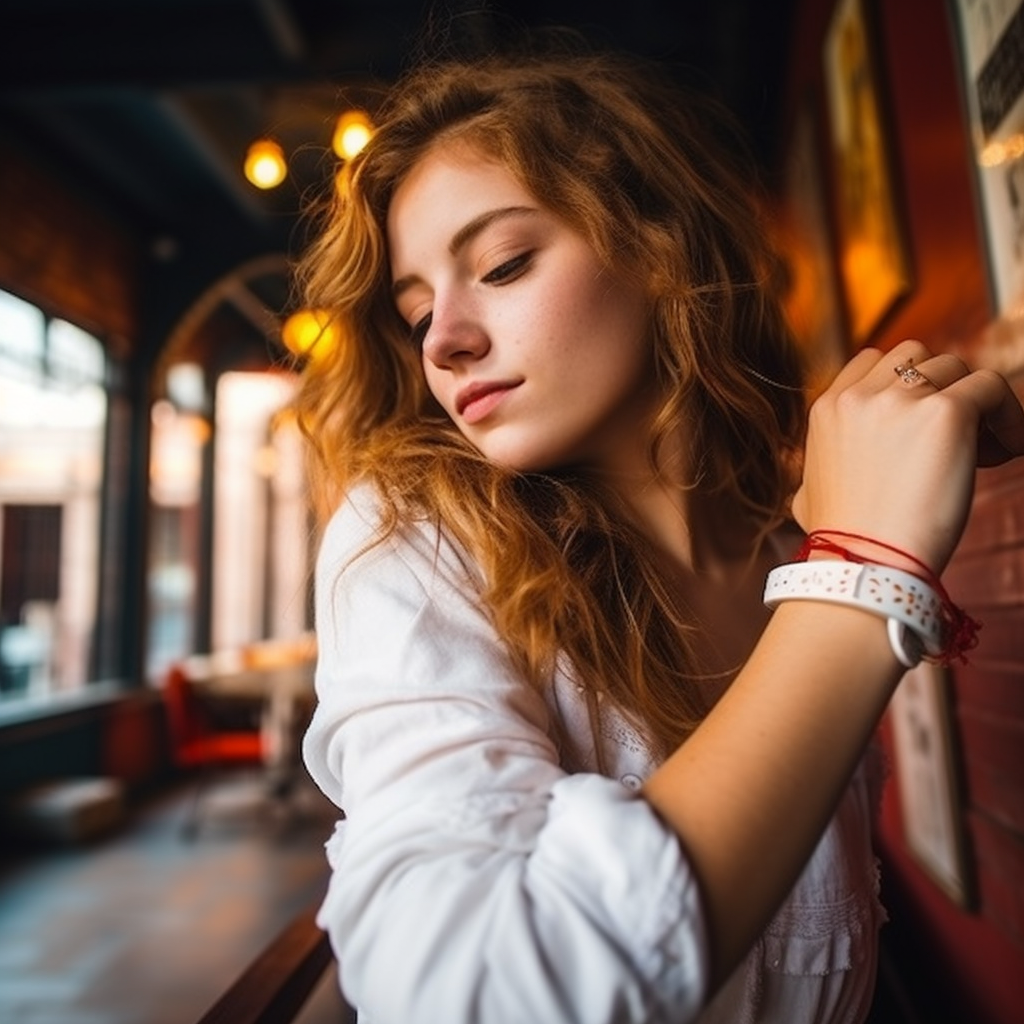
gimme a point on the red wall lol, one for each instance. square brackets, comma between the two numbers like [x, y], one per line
[957, 964]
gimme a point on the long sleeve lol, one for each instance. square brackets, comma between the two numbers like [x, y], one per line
[473, 880]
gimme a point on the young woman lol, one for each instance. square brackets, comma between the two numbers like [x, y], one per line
[586, 775]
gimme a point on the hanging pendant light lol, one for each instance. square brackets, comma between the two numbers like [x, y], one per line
[353, 131]
[265, 165]
[310, 332]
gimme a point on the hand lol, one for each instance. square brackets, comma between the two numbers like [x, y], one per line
[895, 460]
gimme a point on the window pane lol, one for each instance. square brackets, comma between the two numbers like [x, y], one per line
[178, 441]
[22, 335]
[260, 534]
[259, 581]
[73, 355]
[51, 473]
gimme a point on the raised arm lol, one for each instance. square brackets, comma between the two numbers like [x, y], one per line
[750, 792]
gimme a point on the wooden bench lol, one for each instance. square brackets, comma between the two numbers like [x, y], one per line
[276, 985]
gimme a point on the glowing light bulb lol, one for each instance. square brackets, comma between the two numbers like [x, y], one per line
[310, 332]
[265, 165]
[353, 131]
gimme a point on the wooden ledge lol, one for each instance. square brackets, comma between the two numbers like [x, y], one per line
[274, 987]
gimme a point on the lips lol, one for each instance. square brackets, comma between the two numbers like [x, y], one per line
[476, 401]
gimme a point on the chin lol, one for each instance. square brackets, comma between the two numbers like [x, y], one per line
[520, 463]
[524, 455]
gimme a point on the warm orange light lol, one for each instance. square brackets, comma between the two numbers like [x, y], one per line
[353, 131]
[265, 165]
[310, 332]
[1002, 151]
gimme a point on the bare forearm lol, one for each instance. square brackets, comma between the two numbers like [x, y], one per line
[751, 791]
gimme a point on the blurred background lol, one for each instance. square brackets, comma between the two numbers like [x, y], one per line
[158, 160]
[172, 147]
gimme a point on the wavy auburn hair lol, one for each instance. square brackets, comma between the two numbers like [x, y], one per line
[657, 184]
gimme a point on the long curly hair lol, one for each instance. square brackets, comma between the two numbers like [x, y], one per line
[663, 189]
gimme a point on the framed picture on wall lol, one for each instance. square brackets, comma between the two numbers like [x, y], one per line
[991, 44]
[812, 298]
[927, 776]
[874, 263]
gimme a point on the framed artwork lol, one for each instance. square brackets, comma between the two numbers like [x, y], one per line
[927, 776]
[991, 44]
[873, 261]
[812, 298]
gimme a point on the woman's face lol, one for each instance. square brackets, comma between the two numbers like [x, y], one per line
[539, 354]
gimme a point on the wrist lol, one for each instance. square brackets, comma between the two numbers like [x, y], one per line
[856, 547]
[960, 631]
[913, 608]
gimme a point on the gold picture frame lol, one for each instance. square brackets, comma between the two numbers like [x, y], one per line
[874, 263]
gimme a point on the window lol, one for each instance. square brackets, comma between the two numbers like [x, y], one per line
[229, 537]
[53, 413]
[261, 534]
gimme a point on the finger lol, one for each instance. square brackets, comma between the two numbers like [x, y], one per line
[936, 372]
[900, 361]
[856, 368]
[874, 366]
[1000, 415]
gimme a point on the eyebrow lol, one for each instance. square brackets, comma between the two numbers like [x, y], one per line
[465, 235]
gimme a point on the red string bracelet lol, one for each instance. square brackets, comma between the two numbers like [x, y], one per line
[961, 631]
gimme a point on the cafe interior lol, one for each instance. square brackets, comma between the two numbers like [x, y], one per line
[161, 846]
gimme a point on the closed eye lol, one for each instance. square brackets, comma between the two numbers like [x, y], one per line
[509, 270]
[419, 330]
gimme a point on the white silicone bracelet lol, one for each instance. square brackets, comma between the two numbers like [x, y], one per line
[913, 608]
[905, 643]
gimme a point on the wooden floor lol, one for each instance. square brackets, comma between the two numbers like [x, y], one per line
[147, 927]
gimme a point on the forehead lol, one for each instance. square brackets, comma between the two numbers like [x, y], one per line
[445, 189]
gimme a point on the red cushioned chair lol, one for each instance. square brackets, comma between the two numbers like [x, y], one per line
[199, 745]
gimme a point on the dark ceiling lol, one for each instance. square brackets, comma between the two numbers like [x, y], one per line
[149, 105]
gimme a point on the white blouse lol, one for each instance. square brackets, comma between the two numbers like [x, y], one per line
[483, 875]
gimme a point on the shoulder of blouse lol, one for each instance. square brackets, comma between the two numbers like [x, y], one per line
[352, 542]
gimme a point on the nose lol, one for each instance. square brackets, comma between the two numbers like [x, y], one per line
[455, 334]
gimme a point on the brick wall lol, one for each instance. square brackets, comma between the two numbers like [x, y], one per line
[59, 250]
[958, 963]
[988, 578]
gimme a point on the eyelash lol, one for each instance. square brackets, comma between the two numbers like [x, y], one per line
[501, 274]
[509, 270]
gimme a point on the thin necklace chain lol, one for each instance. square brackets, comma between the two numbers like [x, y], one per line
[768, 380]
